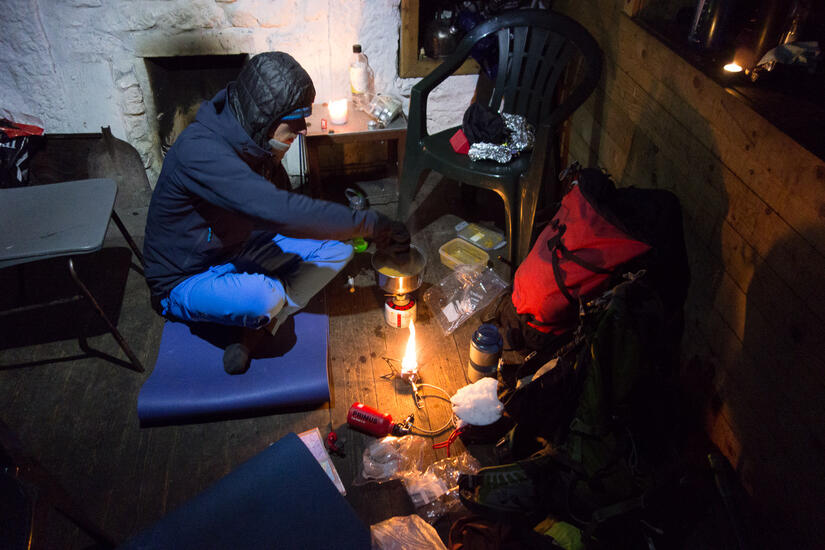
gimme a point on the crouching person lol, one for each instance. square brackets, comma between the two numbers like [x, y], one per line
[226, 241]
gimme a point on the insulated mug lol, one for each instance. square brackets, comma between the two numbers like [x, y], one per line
[485, 352]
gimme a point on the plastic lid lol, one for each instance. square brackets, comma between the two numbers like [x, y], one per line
[359, 244]
[487, 239]
[356, 48]
[487, 337]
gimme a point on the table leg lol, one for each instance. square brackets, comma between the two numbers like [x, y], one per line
[314, 164]
[128, 237]
[136, 364]
[401, 145]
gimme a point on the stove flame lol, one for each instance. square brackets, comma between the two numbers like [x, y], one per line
[409, 364]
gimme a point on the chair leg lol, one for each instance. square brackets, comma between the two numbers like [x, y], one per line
[510, 231]
[120, 340]
[530, 187]
[528, 201]
[128, 238]
[408, 185]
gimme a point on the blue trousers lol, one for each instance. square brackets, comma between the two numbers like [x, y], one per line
[238, 294]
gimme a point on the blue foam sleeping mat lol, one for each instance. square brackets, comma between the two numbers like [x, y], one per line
[188, 383]
[280, 498]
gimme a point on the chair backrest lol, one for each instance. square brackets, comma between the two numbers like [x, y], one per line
[535, 49]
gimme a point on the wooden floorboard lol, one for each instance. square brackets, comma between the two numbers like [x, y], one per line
[77, 414]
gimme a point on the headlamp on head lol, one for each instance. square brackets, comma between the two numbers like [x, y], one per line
[300, 112]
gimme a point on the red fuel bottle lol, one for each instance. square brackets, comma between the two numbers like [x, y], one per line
[370, 421]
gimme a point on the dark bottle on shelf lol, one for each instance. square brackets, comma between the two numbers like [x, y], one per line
[712, 20]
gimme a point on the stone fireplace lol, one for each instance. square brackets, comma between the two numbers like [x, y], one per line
[180, 84]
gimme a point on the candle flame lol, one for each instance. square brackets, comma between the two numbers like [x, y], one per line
[732, 67]
[409, 364]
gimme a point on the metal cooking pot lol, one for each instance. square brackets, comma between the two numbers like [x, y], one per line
[441, 37]
[395, 278]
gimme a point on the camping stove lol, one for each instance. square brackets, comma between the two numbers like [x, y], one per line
[399, 281]
[399, 310]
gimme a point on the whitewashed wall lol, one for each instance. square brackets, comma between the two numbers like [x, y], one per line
[77, 64]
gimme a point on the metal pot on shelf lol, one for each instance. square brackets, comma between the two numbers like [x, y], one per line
[441, 36]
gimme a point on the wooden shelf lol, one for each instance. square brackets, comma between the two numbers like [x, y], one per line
[788, 97]
[409, 63]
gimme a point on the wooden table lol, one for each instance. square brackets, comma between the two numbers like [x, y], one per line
[355, 130]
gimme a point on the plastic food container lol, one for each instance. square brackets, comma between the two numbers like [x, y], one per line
[459, 252]
[482, 237]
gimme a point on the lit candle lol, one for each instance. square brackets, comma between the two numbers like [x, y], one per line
[732, 67]
[338, 111]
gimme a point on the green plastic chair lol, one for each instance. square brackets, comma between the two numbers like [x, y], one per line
[535, 49]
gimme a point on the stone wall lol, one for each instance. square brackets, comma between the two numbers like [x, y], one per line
[78, 64]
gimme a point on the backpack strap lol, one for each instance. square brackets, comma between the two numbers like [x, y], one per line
[555, 244]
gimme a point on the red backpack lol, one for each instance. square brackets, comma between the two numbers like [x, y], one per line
[598, 234]
[573, 258]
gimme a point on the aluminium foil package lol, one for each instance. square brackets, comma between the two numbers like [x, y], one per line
[520, 138]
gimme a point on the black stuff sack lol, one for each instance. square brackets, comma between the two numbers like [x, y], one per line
[484, 125]
[20, 137]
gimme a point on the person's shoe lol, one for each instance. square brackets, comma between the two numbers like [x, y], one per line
[238, 355]
[236, 358]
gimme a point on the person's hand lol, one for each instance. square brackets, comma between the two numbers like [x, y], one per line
[278, 149]
[393, 238]
[399, 246]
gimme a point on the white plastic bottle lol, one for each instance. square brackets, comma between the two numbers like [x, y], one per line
[360, 78]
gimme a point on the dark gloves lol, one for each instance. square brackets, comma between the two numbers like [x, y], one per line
[261, 255]
[393, 238]
[400, 243]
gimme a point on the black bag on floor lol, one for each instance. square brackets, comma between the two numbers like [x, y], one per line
[18, 142]
[591, 422]
[591, 405]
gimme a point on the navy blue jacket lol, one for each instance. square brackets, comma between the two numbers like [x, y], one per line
[217, 190]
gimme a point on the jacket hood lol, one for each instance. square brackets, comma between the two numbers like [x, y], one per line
[270, 86]
[216, 115]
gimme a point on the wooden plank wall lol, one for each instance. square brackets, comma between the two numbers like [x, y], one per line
[754, 203]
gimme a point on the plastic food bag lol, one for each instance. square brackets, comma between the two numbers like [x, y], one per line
[391, 458]
[405, 533]
[383, 108]
[435, 492]
[461, 294]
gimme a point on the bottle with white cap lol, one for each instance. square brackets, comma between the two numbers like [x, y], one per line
[360, 78]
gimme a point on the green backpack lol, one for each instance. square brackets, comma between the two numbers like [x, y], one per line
[589, 420]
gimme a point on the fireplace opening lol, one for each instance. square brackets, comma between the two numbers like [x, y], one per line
[180, 84]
